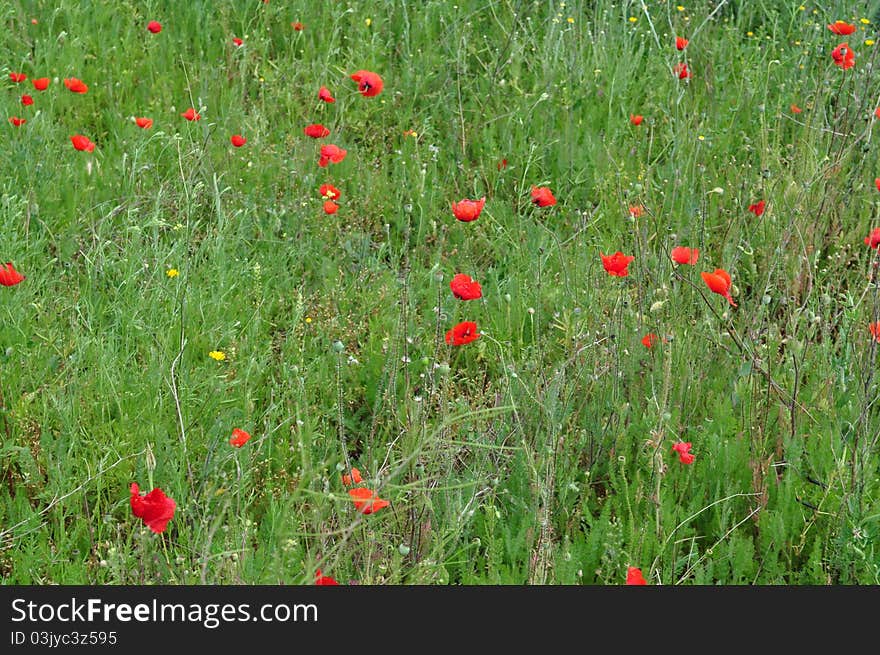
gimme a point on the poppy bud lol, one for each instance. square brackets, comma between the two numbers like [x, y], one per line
[150, 459]
[338, 346]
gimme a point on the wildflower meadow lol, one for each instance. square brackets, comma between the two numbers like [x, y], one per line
[449, 292]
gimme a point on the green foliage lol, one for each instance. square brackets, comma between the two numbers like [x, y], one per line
[540, 453]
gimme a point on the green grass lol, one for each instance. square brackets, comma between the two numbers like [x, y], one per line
[540, 453]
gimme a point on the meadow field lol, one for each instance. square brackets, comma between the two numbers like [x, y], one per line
[230, 285]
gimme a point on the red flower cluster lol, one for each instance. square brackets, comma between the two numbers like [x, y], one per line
[326, 580]
[683, 255]
[634, 576]
[462, 334]
[465, 288]
[331, 153]
[719, 282]
[354, 478]
[616, 264]
[683, 448]
[843, 56]
[83, 143]
[76, 85]
[369, 83]
[155, 509]
[239, 438]
[367, 501]
[316, 131]
[542, 196]
[9, 277]
[468, 210]
[325, 95]
[841, 28]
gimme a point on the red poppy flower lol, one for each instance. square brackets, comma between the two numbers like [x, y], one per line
[877, 112]
[616, 264]
[26, 100]
[331, 153]
[238, 42]
[329, 192]
[795, 109]
[369, 84]
[636, 211]
[634, 576]
[681, 43]
[239, 438]
[683, 448]
[649, 340]
[354, 478]
[238, 140]
[636, 119]
[468, 210]
[316, 131]
[758, 208]
[681, 69]
[877, 183]
[155, 509]
[366, 501]
[144, 123]
[873, 239]
[683, 255]
[9, 277]
[298, 27]
[81, 142]
[841, 28]
[465, 288]
[17, 77]
[325, 580]
[542, 196]
[719, 282]
[41, 83]
[325, 95]
[503, 163]
[76, 85]
[873, 327]
[462, 334]
[192, 115]
[18, 122]
[330, 207]
[843, 56]
[154, 26]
